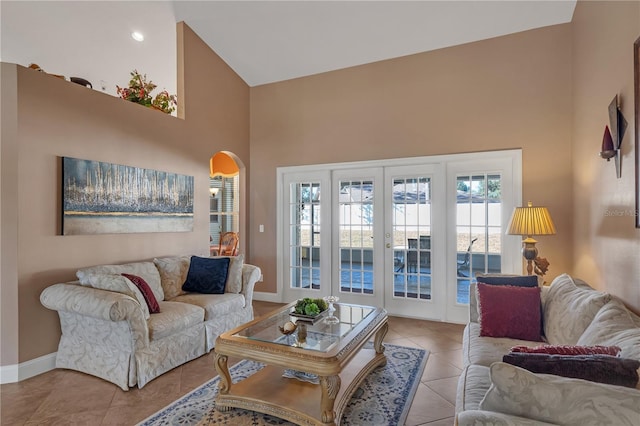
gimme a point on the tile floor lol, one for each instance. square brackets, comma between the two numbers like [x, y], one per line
[64, 397]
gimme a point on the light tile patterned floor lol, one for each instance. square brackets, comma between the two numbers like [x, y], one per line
[64, 397]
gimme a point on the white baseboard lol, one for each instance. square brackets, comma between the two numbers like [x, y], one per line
[267, 297]
[24, 370]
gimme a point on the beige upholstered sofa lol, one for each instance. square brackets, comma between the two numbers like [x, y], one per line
[108, 331]
[491, 392]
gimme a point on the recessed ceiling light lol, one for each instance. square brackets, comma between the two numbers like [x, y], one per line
[137, 36]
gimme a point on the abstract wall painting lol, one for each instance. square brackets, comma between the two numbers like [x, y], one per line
[105, 198]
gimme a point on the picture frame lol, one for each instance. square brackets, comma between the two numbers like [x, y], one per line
[636, 85]
[107, 198]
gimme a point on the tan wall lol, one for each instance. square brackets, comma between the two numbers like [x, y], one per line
[607, 248]
[8, 215]
[507, 92]
[56, 118]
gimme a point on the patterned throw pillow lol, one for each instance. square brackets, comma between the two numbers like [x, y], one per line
[119, 284]
[569, 310]
[234, 278]
[144, 288]
[559, 400]
[207, 275]
[568, 350]
[173, 273]
[595, 368]
[508, 311]
[146, 270]
[614, 325]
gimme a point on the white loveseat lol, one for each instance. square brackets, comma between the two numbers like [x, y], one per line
[491, 392]
[107, 330]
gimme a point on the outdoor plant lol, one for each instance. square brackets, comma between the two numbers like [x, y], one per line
[139, 91]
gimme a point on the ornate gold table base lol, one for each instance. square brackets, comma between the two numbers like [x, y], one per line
[300, 402]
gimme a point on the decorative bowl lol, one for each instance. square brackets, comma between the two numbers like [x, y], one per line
[289, 327]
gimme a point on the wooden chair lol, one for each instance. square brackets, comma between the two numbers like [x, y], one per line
[228, 245]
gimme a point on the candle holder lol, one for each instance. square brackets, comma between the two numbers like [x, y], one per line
[331, 318]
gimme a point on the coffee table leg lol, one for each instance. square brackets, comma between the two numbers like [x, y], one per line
[225, 378]
[330, 387]
[377, 341]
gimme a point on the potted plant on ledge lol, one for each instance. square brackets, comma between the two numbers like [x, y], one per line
[139, 91]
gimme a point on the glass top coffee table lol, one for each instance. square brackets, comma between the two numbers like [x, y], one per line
[323, 363]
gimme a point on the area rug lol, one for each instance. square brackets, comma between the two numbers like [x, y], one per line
[383, 398]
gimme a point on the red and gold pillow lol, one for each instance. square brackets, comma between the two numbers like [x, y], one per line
[569, 350]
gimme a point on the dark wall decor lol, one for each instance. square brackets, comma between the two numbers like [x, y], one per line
[636, 79]
[612, 140]
[105, 198]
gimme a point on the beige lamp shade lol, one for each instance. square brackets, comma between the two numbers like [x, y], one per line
[531, 221]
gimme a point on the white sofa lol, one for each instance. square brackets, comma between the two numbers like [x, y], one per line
[107, 330]
[491, 392]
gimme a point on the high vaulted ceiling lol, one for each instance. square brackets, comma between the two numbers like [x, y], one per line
[263, 41]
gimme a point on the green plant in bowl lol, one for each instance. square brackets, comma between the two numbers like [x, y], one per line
[310, 307]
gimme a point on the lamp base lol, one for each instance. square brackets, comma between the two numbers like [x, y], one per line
[529, 252]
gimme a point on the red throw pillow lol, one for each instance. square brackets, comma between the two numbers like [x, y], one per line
[144, 288]
[569, 350]
[509, 311]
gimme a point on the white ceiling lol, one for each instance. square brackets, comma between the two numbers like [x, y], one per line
[263, 41]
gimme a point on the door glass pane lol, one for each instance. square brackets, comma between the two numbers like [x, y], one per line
[355, 206]
[304, 232]
[411, 224]
[478, 229]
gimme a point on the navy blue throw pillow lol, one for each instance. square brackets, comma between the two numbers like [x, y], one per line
[207, 275]
[516, 280]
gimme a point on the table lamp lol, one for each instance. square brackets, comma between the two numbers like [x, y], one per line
[529, 221]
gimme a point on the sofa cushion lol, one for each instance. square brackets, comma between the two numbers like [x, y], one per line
[173, 273]
[144, 288]
[473, 384]
[568, 310]
[118, 284]
[559, 400]
[505, 279]
[509, 311]
[614, 325]
[207, 275]
[482, 350]
[146, 270]
[596, 368]
[173, 318]
[234, 277]
[214, 305]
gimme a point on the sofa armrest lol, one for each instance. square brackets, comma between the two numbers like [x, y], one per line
[481, 417]
[250, 276]
[100, 304]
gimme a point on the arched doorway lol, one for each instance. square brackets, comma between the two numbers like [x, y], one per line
[225, 195]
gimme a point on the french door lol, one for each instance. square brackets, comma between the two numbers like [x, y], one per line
[413, 237]
[375, 248]
[408, 237]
